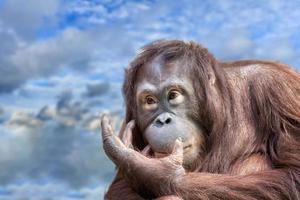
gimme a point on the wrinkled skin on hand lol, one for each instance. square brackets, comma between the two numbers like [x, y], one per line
[138, 169]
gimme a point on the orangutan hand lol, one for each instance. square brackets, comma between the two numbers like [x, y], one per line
[153, 174]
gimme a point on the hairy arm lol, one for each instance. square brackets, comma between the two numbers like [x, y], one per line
[157, 177]
[165, 179]
[273, 184]
[120, 189]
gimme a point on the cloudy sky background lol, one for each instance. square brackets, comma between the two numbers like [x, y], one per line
[62, 61]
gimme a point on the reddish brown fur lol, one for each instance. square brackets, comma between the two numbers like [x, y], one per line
[252, 122]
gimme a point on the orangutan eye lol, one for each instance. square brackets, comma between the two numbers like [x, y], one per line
[175, 97]
[173, 94]
[150, 100]
[150, 103]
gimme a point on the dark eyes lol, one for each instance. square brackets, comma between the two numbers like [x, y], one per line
[150, 100]
[150, 103]
[173, 95]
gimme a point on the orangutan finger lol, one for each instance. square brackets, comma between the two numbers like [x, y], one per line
[146, 150]
[112, 145]
[177, 154]
[127, 135]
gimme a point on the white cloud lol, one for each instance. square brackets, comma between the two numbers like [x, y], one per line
[71, 50]
[141, 22]
[51, 191]
[59, 144]
[26, 18]
[52, 150]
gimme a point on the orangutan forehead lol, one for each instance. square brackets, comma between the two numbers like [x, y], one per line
[157, 70]
[153, 86]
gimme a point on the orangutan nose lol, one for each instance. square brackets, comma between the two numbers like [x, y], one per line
[162, 119]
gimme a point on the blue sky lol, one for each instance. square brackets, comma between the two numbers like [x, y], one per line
[62, 62]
